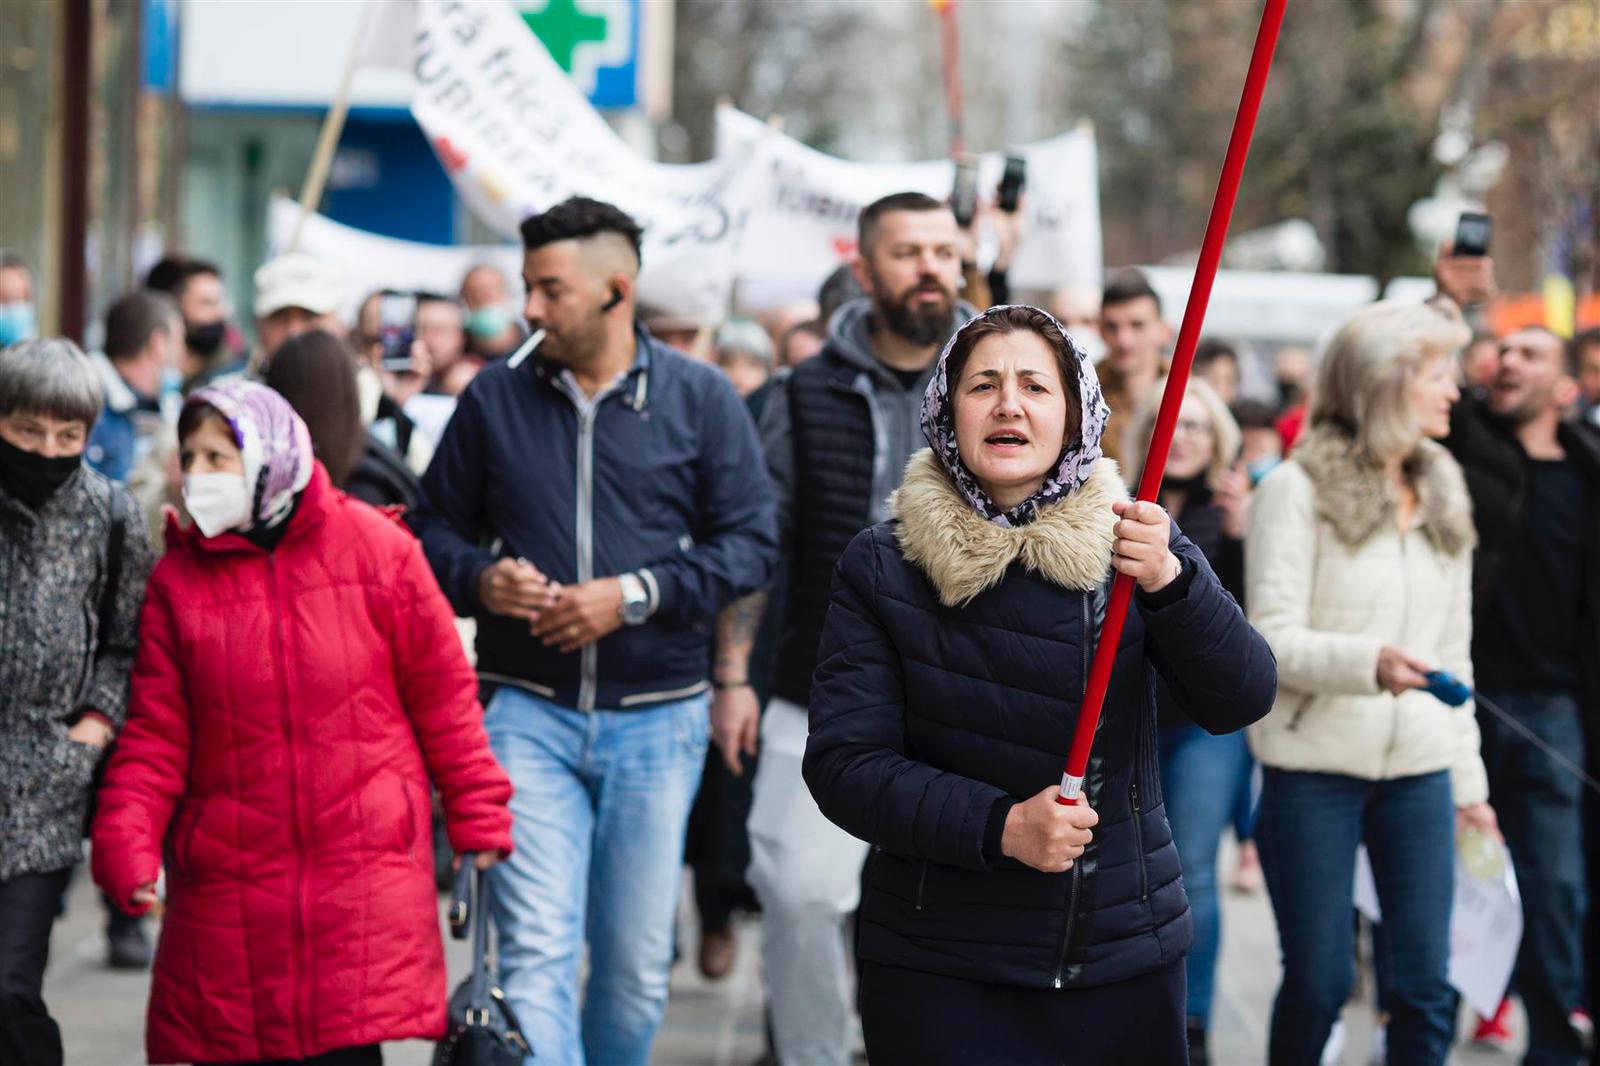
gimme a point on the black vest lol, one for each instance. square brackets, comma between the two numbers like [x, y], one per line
[831, 430]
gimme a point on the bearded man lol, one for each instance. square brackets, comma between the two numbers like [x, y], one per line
[837, 435]
[1534, 476]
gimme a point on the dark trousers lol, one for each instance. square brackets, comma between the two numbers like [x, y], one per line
[1540, 808]
[116, 917]
[1591, 824]
[1308, 830]
[717, 848]
[28, 908]
[363, 1055]
[926, 1019]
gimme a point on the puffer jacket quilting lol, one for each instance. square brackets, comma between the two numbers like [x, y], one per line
[288, 712]
[934, 700]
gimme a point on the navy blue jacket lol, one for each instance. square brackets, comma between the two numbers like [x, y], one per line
[928, 722]
[661, 476]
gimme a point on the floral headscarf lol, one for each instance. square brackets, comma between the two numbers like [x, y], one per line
[273, 441]
[1077, 457]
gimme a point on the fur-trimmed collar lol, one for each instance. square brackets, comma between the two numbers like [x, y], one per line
[963, 553]
[1353, 497]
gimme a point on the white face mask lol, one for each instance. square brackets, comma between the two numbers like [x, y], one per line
[217, 502]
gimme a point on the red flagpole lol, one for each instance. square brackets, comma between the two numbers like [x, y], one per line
[1155, 463]
[951, 40]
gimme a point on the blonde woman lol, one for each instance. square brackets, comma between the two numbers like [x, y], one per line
[1201, 469]
[1359, 568]
[1206, 777]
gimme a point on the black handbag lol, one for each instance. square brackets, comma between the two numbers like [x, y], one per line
[483, 1030]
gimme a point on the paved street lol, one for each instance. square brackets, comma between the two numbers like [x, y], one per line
[711, 1024]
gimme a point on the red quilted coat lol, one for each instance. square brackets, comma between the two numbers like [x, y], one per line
[288, 712]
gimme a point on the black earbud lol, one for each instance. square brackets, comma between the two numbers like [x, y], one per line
[616, 298]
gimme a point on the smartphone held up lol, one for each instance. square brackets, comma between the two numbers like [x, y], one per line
[397, 312]
[1473, 230]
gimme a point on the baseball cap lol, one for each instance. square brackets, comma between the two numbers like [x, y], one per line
[298, 280]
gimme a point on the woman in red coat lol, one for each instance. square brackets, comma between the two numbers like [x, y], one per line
[298, 683]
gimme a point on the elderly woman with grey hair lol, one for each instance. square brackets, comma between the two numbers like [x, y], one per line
[74, 559]
[1358, 571]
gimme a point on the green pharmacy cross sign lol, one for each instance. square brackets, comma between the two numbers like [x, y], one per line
[564, 27]
[595, 41]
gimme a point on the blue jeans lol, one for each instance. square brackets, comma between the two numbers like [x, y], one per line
[1245, 799]
[601, 804]
[1540, 808]
[1308, 830]
[1201, 777]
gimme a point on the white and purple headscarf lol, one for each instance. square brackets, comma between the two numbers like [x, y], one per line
[1078, 456]
[273, 441]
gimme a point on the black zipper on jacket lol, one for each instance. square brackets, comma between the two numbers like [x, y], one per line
[1077, 867]
[1072, 914]
[1133, 791]
[922, 879]
[1138, 837]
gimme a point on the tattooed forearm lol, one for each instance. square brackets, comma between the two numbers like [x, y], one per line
[736, 634]
[740, 621]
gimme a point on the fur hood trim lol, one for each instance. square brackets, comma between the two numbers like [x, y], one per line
[963, 553]
[1353, 497]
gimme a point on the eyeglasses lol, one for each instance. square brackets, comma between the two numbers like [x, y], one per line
[1195, 427]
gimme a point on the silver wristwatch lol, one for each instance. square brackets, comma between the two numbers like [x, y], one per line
[635, 609]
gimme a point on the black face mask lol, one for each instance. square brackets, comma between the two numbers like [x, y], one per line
[206, 338]
[31, 477]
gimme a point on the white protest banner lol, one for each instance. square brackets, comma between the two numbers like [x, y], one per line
[1061, 242]
[1485, 932]
[802, 221]
[1485, 923]
[370, 261]
[516, 137]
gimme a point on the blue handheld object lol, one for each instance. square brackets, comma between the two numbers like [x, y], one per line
[1447, 689]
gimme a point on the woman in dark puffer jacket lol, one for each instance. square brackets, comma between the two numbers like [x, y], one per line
[995, 925]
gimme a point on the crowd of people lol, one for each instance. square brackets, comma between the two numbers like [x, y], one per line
[806, 600]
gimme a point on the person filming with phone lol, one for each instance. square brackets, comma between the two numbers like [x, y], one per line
[1534, 477]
